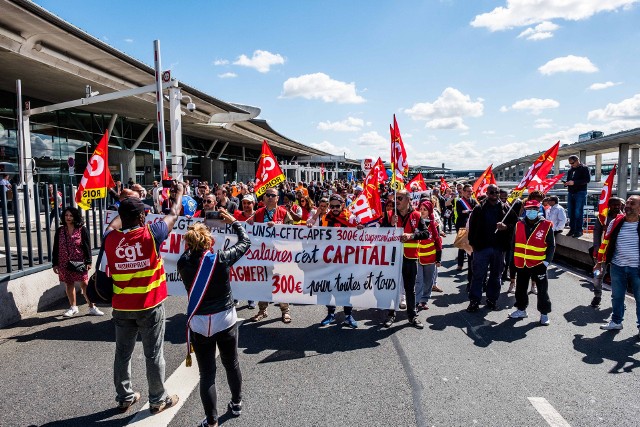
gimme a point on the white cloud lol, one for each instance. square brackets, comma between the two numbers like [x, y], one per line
[220, 62]
[448, 111]
[227, 75]
[543, 123]
[261, 60]
[626, 109]
[504, 109]
[447, 123]
[128, 40]
[535, 105]
[374, 141]
[520, 13]
[542, 31]
[488, 132]
[605, 85]
[351, 124]
[321, 86]
[570, 63]
[330, 148]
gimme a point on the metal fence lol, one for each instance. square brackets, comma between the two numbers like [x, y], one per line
[28, 231]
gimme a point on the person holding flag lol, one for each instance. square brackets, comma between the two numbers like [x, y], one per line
[211, 313]
[269, 174]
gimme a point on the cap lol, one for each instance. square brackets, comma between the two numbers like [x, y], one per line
[248, 197]
[532, 204]
[130, 207]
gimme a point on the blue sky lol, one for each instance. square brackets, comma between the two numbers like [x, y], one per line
[471, 82]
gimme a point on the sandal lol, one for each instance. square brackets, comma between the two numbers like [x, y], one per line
[260, 315]
[286, 318]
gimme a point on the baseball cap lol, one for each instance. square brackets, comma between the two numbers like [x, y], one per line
[248, 197]
[131, 207]
[532, 204]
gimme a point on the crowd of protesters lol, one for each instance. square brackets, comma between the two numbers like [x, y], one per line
[500, 240]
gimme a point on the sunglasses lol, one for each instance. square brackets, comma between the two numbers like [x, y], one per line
[492, 192]
[335, 206]
[270, 195]
[206, 202]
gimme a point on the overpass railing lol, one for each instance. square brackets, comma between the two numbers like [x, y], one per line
[27, 232]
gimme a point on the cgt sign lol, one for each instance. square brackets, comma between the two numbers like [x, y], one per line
[367, 165]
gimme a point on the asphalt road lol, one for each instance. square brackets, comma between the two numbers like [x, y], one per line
[462, 369]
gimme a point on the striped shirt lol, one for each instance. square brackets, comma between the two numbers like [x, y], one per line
[627, 253]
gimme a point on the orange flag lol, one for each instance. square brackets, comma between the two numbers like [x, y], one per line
[97, 178]
[269, 173]
[399, 165]
[605, 195]
[487, 178]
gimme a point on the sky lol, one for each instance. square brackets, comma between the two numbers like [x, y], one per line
[471, 82]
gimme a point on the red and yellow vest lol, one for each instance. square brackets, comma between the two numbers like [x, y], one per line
[604, 246]
[531, 252]
[278, 217]
[139, 281]
[410, 224]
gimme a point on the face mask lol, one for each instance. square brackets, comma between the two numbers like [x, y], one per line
[531, 214]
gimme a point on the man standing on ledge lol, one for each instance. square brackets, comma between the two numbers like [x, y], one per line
[577, 180]
[132, 251]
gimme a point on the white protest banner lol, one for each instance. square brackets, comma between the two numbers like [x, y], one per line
[415, 197]
[296, 264]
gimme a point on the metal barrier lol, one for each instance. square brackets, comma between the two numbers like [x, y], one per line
[28, 231]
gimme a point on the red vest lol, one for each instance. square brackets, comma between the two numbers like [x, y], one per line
[278, 217]
[531, 252]
[139, 281]
[411, 223]
[426, 251]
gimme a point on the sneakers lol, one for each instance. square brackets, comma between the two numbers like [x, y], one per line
[205, 423]
[436, 288]
[72, 311]
[235, 408]
[124, 406]
[260, 315]
[421, 306]
[473, 307]
[491, 305]
[544, 320]
[95, 311]
[331, 317]
[350, 322]
[416, 323]
[252, 305]
[389, 321]
[167, 403]
[518, 314]
[236, 303]
[611, 326]
[595, 302]
[403, 303]
[534, 290]
[512, 287]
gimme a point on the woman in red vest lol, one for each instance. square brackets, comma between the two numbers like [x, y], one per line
[429, 257]
[533, 248]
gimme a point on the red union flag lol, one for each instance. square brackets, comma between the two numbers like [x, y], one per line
[367, 207]
[605, 195]
[97, 178]
[539, 168]
[545, 185]
[399, 165]
[486, 179]
[269, 173]
[417, 180]
[443, 185]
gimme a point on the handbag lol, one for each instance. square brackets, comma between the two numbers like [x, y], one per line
[462, 241]
[76, 266]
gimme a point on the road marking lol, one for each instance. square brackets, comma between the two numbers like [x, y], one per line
[181, 382]
[548, 412]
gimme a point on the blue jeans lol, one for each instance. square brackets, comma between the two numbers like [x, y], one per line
[150, 323]
[575, 210]
[620, 277]
[491, 259]
[425, 279]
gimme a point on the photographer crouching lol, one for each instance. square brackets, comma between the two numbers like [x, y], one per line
[211, 312]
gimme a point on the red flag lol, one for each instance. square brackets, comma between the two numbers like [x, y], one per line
[269, 173]
[487, 178]
[321, 172]
[443, 185]
[165, 191]
[367, 207]
[419, 181]
[399, 165]
[540, 168]
[96, 179]
[545, 185]
[605, 195]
